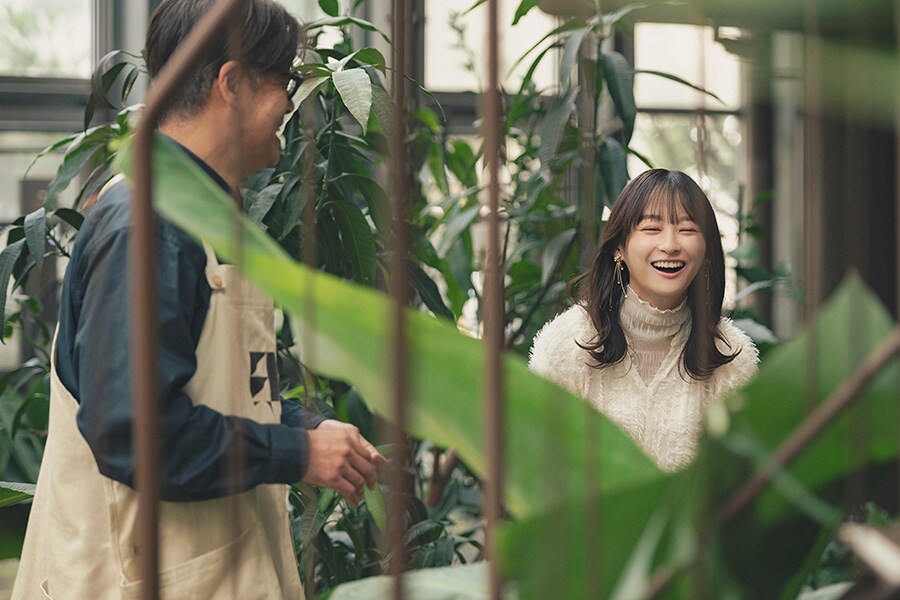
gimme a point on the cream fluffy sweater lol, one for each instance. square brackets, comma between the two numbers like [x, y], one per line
[646, 394]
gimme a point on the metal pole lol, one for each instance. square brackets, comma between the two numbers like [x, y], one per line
[142, 287]
[399, 291]
[812, 172]
[897, 211]
[493, 309]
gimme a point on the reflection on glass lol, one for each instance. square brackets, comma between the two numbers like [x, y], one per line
[453, 65]
[689, 52]
[45, 38]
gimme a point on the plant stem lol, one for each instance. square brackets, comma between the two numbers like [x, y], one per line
[332, 127]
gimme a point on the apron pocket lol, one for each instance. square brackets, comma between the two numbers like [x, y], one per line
[242, 569]
[44, 593]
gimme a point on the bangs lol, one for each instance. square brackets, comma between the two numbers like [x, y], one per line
[665, 202]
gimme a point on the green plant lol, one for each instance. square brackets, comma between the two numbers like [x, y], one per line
[646, 519]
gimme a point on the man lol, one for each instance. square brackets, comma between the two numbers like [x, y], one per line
[228, 445]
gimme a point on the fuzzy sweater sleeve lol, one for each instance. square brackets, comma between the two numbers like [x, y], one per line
[743, 368]
[556, 356]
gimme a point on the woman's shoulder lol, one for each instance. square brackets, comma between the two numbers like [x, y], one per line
[572, 322]
[745, 364]
[557, 341]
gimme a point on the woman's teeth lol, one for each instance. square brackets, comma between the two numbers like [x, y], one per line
[668, 266]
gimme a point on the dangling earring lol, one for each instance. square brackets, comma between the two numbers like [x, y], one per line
[618, 274]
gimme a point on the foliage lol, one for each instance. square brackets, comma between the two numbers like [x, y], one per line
[327, 186]
[345, 544]
[647, 519]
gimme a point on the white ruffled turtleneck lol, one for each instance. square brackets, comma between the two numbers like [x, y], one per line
[650, 331]
[646, 394]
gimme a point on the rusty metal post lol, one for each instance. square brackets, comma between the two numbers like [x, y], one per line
[812, 178]
[493, 309]
[897, 208]
[142, 261]
[399, 290]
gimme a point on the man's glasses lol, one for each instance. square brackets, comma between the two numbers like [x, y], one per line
[293, 84]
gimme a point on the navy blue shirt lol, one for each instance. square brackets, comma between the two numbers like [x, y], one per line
[93, 361]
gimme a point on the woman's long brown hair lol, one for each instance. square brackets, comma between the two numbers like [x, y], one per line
[672, 194]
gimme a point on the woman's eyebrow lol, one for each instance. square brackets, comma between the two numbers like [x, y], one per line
[655, 217]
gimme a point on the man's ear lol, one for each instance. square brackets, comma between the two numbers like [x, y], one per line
[227, 81]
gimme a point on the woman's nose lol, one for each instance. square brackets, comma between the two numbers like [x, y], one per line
[669, 241]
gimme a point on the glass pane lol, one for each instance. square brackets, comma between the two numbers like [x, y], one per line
[45, 38]
[304, 10]
[453, 65]
[691, 53]
[709, 150]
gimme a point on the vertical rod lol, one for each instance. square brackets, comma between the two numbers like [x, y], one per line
[308, 256]
[812, 170]
[589, 211]
[493, 314]
[588, 203]
[897, 210]
[234, 461]
[142, 289]
[399, 285]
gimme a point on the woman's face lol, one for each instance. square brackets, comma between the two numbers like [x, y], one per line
[663, 258]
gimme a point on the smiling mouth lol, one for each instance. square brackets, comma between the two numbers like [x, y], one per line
[668, 266]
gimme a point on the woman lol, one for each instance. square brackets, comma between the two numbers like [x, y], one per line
[645, 344]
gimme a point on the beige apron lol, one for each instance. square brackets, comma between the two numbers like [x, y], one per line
[80, 542]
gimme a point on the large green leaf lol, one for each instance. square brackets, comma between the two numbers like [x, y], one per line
[522, 10]
[344, 329]
[552, 127]
[556, 251]
[357, 241]
[13, 493]
[8, 258]
[35, 232]
[620, 82]
[612, 169]
[329, 7]
[571, 50]
[355, 89]
[850, 326]
[383, 108]
[71, 166]
[604, 545]
[308, 87]
[795, 377]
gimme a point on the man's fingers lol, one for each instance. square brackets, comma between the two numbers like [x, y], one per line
[349, 491]
[365, 468]
[375, 456]
[350, 472]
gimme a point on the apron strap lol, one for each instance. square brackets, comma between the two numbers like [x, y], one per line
[213, 272]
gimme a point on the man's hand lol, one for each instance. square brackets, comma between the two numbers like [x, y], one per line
[341, 459]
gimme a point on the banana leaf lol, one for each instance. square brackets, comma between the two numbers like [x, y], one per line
[852, 460]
